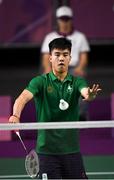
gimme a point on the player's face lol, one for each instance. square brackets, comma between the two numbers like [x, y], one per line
[64, 25]
[60, 60]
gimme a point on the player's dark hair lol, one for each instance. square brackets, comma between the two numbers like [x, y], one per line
[60, 43]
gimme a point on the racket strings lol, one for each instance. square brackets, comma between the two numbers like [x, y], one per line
[32, 164]
[31, 160]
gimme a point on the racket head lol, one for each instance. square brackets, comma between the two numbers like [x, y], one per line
[32, 164]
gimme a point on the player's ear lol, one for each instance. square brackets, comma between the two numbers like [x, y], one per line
[50, 58]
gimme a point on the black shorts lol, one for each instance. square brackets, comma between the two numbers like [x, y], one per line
[68, 166]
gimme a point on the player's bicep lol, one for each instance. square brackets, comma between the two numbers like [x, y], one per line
[35, 86]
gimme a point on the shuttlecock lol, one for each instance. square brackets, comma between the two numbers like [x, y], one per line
[63, 105]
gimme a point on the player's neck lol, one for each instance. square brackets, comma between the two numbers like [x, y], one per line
[61, 76]
[65, 31]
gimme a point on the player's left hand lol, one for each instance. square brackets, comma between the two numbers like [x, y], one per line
[91, 93]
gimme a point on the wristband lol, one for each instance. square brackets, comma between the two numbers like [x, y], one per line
[16, 116]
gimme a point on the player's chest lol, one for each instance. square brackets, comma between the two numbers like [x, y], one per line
[59, 90]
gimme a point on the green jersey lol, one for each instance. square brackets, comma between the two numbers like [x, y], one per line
[48, 90]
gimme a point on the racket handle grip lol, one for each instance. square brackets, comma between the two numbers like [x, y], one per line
[44, 176]
[16, 132]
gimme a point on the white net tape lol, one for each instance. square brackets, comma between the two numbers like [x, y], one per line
[57, 125]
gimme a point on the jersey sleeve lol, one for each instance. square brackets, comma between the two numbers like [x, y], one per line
[84, 47]
[81, 83]
[35, 85]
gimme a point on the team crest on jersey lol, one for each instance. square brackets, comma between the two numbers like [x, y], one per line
[50, 89]
[69, 89]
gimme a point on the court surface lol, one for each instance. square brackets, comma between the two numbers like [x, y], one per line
[97, 167]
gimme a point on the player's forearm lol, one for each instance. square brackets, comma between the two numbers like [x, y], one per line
[17, 110]
[19, 105]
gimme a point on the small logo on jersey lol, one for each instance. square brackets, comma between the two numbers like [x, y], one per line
[50, 89]
[69, 89]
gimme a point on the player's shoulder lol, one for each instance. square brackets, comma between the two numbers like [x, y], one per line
[52, 35]
[45, 77]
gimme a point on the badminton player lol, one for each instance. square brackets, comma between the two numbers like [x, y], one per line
[56, 97]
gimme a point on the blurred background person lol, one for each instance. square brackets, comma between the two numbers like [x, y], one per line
[64, 15]
[80, 48]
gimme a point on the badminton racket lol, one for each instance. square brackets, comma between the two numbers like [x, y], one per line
[31, 160]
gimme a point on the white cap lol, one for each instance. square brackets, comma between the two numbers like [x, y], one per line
[64, 11]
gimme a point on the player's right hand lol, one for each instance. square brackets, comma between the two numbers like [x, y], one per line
[14, 119]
